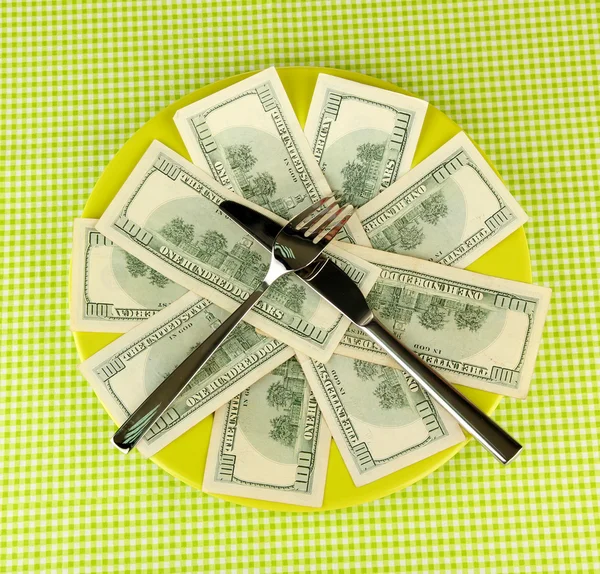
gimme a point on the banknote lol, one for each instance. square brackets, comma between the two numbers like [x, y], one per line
[166, 214]
[112, 291]
[127, 370]
[363, 137]
[270, 442]
[380, 418]
[248, 137]
[476, 330]
[451, 208]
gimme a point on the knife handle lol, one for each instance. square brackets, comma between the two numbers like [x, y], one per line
[495, 439]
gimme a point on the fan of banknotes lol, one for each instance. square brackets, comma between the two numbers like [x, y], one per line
[164, 266]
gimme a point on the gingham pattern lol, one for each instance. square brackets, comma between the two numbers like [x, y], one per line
[77, 80]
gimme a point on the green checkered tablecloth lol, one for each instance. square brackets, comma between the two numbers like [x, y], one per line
[77, 80]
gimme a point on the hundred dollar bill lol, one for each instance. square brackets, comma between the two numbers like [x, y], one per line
[167, 215]
[363, 137]
[126, 371]
[270, 442]
[476, 330]
[451, 208]
[380, 418]
[248, 137]
[112, 291]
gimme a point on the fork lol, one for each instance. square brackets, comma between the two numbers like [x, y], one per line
[296, 246]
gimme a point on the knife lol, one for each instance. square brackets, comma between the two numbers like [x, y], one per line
[329, 281]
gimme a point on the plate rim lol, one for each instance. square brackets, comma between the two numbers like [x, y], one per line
[441, 458]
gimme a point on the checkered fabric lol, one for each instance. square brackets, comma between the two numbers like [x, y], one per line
[78, 79]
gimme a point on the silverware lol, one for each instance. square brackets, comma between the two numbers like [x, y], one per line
[295, 246]
[337, 288]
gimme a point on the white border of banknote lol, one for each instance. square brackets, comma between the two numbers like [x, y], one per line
[139, 334]
[394, 101]
[302, 151]
[406, 190]
[287, 495]
[446, 274]
[79, 297]
[400, 460]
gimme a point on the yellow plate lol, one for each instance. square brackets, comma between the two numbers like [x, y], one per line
[185, 457]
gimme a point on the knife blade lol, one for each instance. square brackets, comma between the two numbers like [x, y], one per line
[339, 290]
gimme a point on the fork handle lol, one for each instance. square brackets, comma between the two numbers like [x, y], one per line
[495, 439]
[159, 400]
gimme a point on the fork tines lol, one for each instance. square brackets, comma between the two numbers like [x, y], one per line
[322, 216]
[328, 222]
[333, 231]
[304, 219]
